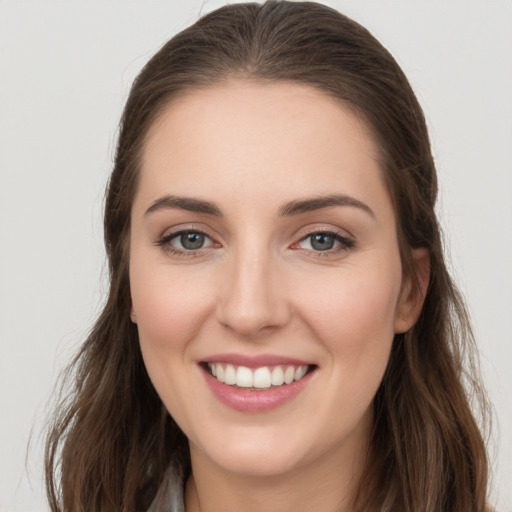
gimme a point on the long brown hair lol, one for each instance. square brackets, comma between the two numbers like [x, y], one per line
[112, 440]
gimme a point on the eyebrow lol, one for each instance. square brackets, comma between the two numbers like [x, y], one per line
[318, 203]
[185, 203]
[292, 208]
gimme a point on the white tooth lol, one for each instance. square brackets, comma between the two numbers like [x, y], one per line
[277, 376]
[220, 372]
[230, 375]
[262, 378]
[289, 374]
[213, 369]
[244, 377]
[300, 372]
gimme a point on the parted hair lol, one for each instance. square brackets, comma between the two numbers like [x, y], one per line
[111, 440]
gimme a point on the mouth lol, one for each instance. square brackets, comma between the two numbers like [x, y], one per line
[258, 383]
[257, 379]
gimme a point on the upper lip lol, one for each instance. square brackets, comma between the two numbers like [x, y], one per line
[254, 361]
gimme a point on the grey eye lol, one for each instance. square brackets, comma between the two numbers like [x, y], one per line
[321, 241]
[192, 240]
[185, 242]
[326, 242]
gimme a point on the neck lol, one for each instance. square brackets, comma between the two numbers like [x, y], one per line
[328, 486]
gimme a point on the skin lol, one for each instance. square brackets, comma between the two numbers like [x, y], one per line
[258, 286]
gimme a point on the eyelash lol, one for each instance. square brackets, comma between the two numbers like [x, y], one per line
[164, 243]
[346, 243]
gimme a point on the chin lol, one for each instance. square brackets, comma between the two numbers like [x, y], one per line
[253, 461]
[253, 452]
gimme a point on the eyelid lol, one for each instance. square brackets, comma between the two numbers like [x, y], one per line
[169, 234]
[346, 241]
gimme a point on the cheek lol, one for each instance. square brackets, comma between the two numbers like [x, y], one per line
[352, 314]
[170, 309]
[353, 318]
[169, 306]
[354, 304]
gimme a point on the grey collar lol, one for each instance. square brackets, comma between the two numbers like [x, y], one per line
[169, 497]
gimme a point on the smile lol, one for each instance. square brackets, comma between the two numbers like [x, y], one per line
[256, 384]
[264, 377]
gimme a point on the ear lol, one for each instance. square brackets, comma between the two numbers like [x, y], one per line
[133, 316]
[413, 292]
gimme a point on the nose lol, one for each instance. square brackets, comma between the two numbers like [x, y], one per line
[253, 301]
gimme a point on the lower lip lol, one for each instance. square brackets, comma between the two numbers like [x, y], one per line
[247, 400]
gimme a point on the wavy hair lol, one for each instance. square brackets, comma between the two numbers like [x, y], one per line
[111, 439]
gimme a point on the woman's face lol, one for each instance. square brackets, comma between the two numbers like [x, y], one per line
[263, 246]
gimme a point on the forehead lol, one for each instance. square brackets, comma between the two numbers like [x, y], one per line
[275, 139]
[240, 104]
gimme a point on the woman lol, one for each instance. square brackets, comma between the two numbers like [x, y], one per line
[281, 331]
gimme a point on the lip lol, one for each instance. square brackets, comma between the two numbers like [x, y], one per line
[250, 401]
[255, 361]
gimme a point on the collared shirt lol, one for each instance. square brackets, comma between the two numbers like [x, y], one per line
[169, 497]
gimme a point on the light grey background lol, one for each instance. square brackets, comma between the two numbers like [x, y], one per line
[65, 70]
